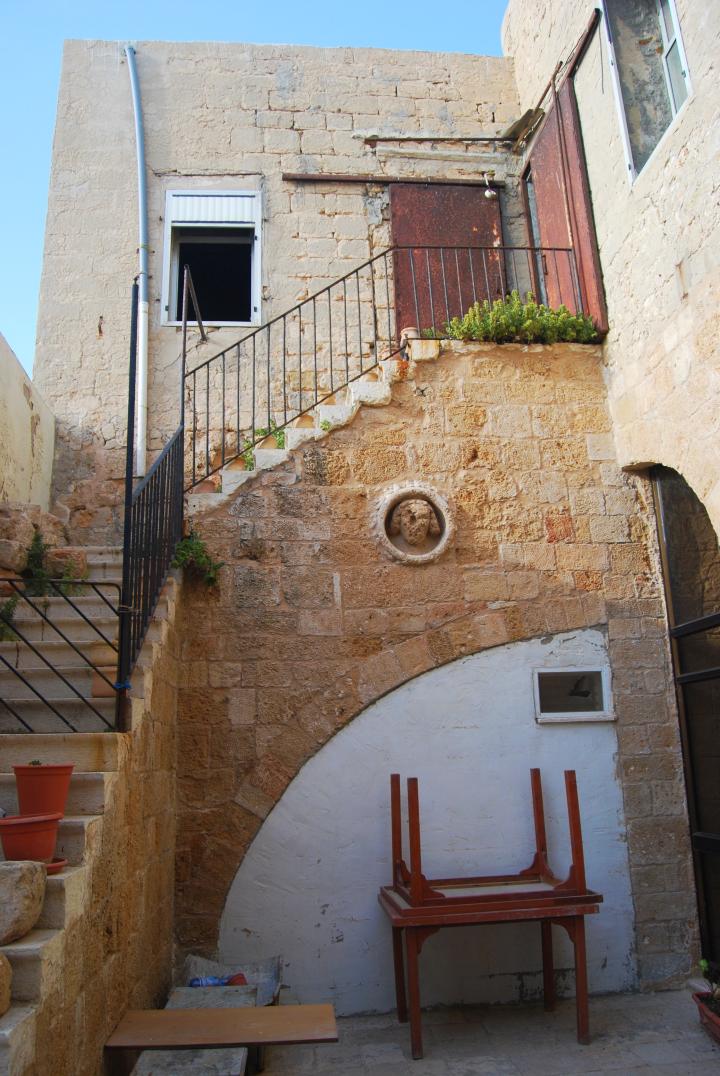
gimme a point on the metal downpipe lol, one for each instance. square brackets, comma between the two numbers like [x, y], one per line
[141, 382]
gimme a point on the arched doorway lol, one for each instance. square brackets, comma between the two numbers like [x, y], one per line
[691, 570]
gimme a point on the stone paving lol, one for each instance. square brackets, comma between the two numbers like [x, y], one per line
[633, 1033]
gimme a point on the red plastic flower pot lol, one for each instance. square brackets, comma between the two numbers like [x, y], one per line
[43, 789]
[30, 836]
[709, 1019]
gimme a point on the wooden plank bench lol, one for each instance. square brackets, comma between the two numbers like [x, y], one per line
[191, 1029]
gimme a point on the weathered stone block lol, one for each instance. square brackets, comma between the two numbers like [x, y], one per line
[22, 891]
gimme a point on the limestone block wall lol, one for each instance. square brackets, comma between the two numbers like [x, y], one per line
[225, 116]
[28, 435]
[313, 621]
[658, 240]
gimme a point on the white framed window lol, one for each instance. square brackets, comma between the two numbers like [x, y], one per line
[650, 72]
[578, 693]
[216, 233]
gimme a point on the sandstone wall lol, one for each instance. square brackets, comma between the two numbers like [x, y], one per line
[224, 116]
[27, 435]
[312, 621]
[659, 240]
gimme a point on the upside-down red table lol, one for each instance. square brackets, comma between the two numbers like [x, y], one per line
[418, 907]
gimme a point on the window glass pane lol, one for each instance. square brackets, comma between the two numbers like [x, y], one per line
[666, 16]
[570, 692]
[702, 708]
[693, 557]
[698, 652]
[676, 76]
[710, 880]
[638, 46]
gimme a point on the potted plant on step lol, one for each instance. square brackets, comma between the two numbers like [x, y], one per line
[708, 1002]
[42, 787]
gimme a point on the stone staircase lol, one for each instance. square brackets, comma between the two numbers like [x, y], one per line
[38, 960]
[372, 389]
[83, 620]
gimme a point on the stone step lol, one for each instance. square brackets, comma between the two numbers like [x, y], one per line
[17, 1040]
[59, 653]
[56, 684]
[338, 414]
[76, 837]
[73, 627]
[75, 606]
[87, 794]
[65, 897]
[43, 720]
[299, 435]
[372, 393]
[92, 752]
[36, 960]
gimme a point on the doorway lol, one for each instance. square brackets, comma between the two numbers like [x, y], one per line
[691, 570]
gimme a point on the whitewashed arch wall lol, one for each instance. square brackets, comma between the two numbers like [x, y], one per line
[307, 887]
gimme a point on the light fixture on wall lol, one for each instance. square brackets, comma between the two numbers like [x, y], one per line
[489, 192]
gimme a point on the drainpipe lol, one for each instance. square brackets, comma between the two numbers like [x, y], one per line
[143, 307]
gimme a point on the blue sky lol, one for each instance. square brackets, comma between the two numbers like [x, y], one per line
[31, 36]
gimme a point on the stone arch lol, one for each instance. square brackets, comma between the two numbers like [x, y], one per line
[217, 835]
[308, 883]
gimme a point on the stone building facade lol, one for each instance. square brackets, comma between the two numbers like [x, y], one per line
[321, 651]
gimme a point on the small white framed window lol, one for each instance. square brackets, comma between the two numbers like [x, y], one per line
[572, 694]
[649, 72]
[216, 233]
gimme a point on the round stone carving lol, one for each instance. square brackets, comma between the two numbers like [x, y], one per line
[414, 523]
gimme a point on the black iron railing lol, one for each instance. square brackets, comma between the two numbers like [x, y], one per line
[301, 358]
[153, 515]
[69, 634]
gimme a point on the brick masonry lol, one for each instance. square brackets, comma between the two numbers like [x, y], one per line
[312, 620]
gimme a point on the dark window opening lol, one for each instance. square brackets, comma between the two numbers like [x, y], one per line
[575, 692]
[220, 261]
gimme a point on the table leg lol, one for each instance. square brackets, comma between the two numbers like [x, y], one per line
[400, 996]
[548, 965]
[413, 948]
[581, 987]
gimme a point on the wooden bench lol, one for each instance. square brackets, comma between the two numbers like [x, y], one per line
[192, 1029]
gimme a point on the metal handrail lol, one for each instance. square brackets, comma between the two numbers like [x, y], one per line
[296, 360]
[19, 589]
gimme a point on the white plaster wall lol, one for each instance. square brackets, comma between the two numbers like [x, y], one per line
[308, 886]
[27, 435]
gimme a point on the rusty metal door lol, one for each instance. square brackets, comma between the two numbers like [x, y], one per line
[559, 210]
[450, 234]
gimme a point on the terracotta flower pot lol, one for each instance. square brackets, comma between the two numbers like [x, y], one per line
[709, 1019]
[43, 789]
[30, 836]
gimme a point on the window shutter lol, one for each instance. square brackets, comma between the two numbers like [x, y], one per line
[564, 208]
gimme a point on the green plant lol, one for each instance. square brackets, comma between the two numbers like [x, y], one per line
[711, 974]
[193, 556]
[248, 456]
[511, 320]
[71, 583]
[271, 431]
[7, 612]
[325, 424]
[35, 574]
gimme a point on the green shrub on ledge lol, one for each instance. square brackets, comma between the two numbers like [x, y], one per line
[193, 556]
[511, 320]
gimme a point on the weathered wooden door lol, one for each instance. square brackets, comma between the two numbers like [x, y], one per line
[449, 234]
[557, 198]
